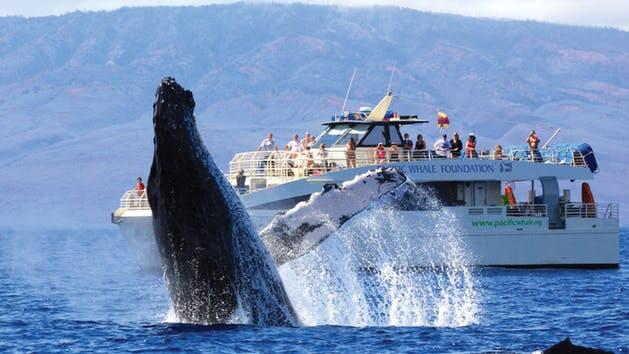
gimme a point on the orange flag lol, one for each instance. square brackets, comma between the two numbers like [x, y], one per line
[442, 120]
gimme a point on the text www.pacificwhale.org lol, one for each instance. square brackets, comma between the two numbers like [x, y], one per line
[505, 223]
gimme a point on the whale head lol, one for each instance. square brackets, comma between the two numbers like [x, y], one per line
[213, 259]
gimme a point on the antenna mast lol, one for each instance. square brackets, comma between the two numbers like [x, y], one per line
[348, 90]
[391, 78]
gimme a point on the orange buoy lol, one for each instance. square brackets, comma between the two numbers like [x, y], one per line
[509, 194]
[586, 194]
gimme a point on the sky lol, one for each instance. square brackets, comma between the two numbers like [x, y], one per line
[606, 13]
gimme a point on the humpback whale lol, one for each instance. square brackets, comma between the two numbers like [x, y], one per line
[566, 347]
[216, 267]
[309, 223]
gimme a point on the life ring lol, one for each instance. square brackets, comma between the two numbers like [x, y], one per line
[509, 194]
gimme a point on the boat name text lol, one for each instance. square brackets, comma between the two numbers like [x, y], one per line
[447, 169]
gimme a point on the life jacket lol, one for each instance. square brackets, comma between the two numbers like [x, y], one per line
[139, 186]
[381, 154]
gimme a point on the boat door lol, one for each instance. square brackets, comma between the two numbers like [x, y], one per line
[480, 193]
[475, 193]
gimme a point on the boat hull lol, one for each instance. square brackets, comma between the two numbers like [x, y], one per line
[593, 244]
[136, 226]
[497, 241]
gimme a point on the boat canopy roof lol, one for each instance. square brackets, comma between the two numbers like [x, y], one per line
[401, 121]
[366, 133]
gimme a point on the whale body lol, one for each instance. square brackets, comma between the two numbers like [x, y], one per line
[217, 268]
[566, 347]
[309, 223]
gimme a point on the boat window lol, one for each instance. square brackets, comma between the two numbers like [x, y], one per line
[395, 135]
[375, 136]
[331, 135]
[357, 132]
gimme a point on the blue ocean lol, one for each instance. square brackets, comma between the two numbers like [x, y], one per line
[82, 291]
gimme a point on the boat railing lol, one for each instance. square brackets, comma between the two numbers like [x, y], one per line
[516, 210]
[135, 200]
[591, 210]
[285, 165]
[527, 209]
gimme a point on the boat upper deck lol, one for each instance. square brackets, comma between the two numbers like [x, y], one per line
[278, 167]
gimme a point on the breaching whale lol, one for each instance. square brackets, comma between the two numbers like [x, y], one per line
[216, 266]
[309, 223]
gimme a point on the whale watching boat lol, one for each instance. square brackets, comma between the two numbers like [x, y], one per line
[550, 229]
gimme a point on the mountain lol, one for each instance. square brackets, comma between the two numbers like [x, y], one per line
[76, 91]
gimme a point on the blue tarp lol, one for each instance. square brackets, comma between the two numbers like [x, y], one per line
[563, 153]
[588, 156]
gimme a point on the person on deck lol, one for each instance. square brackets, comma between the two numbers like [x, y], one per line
[420, 148]
[380, 154]
[308, 159]
[240, 182]
[321, 158]
[294, 146]
[533, 143]
[305, 141]
[442, 146]
[140, 193]
[350, 153]
[498, 152]
[139, 186]
[407, 147]
[394, 153]
[470, 147]
[456, 146]
[267, 146]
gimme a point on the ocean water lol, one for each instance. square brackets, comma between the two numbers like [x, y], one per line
[81, 291]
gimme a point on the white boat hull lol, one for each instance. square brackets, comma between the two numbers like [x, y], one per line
[499, 241]
[528, 247]
[136, 227]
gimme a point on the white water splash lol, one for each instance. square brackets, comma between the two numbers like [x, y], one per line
[387, 268]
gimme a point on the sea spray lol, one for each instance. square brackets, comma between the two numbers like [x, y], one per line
[388, 267]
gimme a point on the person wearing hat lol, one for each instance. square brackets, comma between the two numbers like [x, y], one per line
[470, 147]
[407, 147]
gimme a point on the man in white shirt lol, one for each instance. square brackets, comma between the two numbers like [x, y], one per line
[268, 144]
[294, 146]
[442, 146]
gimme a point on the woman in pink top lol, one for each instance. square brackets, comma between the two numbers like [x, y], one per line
[380, 154]
[470, 147]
